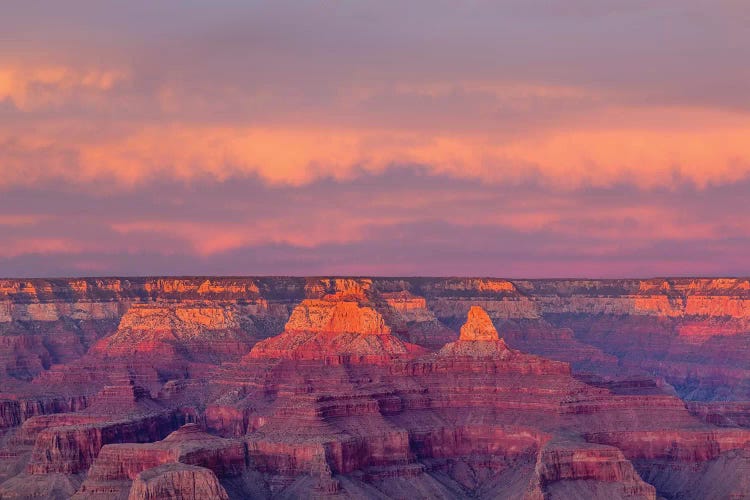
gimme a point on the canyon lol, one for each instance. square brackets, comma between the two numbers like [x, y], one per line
[284, 387]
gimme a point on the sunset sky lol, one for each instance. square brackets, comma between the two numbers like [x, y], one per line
[524, 138]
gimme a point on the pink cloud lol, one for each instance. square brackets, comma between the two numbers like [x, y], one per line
[523, 138]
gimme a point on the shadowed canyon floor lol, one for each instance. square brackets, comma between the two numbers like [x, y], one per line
[374, 388]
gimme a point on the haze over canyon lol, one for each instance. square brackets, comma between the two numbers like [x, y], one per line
[281, 387]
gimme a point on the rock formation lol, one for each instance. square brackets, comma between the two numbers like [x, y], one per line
[412, 319]
[586, 470]
[198, 330]
[478, 339]
[478, 326]
[120, 468]
[336, 316]
[177, 481]
[332, 328]
[315, 387]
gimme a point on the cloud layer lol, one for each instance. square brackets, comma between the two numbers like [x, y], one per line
[521, 138]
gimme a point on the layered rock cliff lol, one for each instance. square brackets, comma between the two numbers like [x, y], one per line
[198, 330]
[374, 388]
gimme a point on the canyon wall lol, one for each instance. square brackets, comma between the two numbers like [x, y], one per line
[374, 388]
[694, 332]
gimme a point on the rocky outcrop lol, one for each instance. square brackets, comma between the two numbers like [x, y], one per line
[177, 481]
[68, 316]
[336, 316]
[478, 326]
[198, 331]
[68, 443]
[478, 339]
[341, 288]
[118, 465]
[71, 449]
[570, 469]
[157, 343]
[14, 412]
[329, 420]
[337, 330]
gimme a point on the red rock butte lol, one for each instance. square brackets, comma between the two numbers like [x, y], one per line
[478, 339]
[374, 388]
[478, 326]
[334, 329]
[332, 316]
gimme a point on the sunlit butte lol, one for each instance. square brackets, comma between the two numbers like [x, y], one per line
[472, 140]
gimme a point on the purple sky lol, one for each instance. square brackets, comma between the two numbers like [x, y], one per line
[514, 138]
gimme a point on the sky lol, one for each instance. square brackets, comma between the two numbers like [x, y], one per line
[511, 138]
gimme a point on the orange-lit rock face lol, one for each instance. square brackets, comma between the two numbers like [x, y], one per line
[478, 326]
[166, 285]
[335, 316]
[664, 298]
[478, 339]
[332, 328]
[190, 287]
[405, 302]
[338, 288]
[187, 319]
[144, 327]
[177, 333]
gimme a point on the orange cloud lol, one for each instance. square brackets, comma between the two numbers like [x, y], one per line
[609, 144]
[569, 158]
